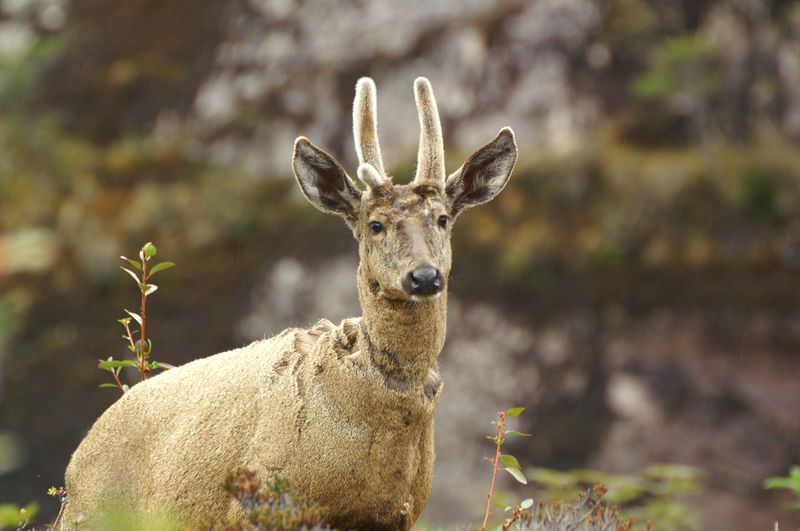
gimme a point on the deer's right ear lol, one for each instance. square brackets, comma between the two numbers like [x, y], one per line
[324, 182]
[484, 175]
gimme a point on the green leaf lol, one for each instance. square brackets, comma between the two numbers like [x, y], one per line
[517, 474]
[124, 321]
[149, 250]
[108, 386]
[131, 273]
[147, 289]
[781, 483]
[518, 433]
[115, 364]
[794, 472]
[136, 316]
[515, 411]
[153, 365]
[510, 461]
[160, 267]
[135, 263]
[527, 503]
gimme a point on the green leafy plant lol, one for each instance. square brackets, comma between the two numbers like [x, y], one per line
[790, 482]
[594, 507]
[140, 346]
[507, 462]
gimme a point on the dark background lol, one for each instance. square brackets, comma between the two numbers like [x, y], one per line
[636, 285]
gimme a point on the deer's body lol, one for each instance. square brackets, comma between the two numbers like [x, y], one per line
[345, 412]
[317, 413]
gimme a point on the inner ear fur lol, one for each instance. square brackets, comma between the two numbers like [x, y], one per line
[324, 182]
[484, 174]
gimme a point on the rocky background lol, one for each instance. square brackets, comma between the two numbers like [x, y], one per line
[635, 287]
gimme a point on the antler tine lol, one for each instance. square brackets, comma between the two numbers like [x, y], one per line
[365, 125]
[430, 161]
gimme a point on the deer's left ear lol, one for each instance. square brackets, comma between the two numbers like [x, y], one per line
[324, 182]
[484, 174]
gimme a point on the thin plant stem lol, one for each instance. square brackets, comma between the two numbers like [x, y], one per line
[115, 374]
[143, 328]
[130, 337]
[498, 440]
[60, 515]
[507, 525]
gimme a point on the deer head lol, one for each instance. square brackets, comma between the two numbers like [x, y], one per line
[403, 230]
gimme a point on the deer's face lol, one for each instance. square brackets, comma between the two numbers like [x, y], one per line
[403, 230]
[404, 241]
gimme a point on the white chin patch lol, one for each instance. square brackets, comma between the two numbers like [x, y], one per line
[425, 298]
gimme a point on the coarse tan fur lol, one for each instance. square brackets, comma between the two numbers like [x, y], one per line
[344, 412]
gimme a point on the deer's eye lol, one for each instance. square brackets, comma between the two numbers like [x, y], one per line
[443, 221]
[375, 226]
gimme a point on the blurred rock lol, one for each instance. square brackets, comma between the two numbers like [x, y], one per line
[296, 294]
[483, 58]
[723, 412]
[27, 250]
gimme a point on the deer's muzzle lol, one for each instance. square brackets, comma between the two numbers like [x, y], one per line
[424, 280]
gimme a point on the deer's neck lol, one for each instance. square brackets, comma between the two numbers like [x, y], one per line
[403, 338]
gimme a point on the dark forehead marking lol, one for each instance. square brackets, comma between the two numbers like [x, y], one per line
[404, 197]
[426, 190]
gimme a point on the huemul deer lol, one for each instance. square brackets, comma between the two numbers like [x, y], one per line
[344, 412]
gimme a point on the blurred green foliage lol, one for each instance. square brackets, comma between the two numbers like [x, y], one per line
[790, 483]
[16, 517]
[681, 67]
[656, 494]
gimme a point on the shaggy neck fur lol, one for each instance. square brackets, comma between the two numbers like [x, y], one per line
[403, 338]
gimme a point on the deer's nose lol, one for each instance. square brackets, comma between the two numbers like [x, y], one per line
[424, 280]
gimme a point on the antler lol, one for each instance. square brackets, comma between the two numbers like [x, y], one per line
[430, 161]
[365, 132]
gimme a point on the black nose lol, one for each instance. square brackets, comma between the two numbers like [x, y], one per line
[424, 280]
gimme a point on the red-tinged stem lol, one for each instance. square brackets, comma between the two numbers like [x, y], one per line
[130, 337]
[117, 380]
[498, 442]
[510, 522]
[143, 328]
[60, 514]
